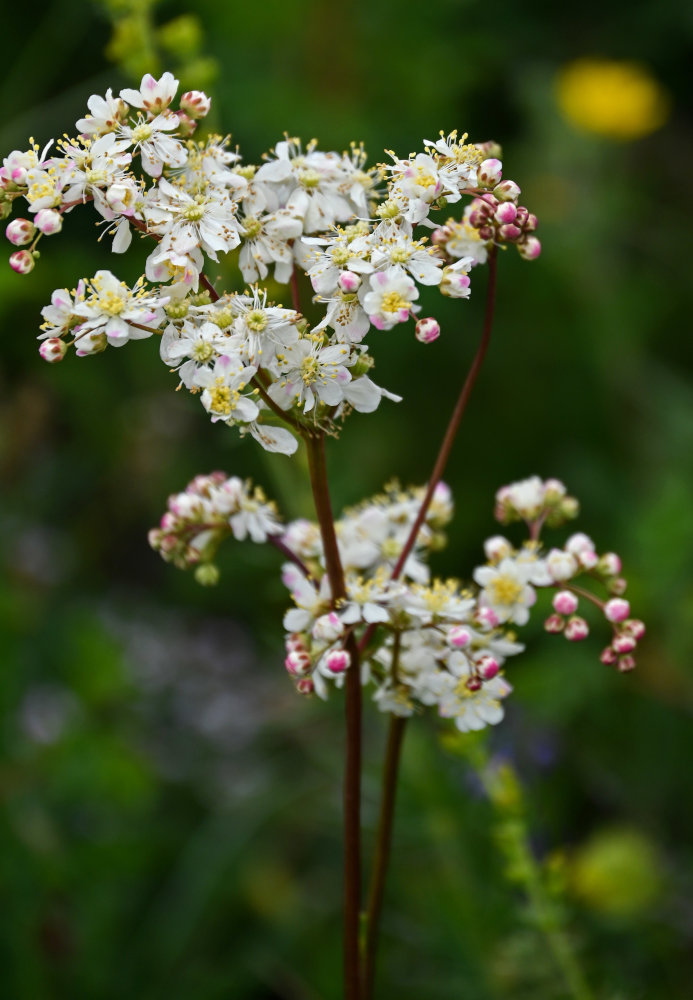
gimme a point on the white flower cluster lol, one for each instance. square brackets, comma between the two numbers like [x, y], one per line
[350, 229]
[423, 641]
[210, 509]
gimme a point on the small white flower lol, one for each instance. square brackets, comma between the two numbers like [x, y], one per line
[391, 299]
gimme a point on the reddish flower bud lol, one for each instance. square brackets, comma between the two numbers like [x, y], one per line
[554, 623]
[490, 172]
[616, 610]
[565, 602]
[53, 349]
[576, 629]
[626, 663]
[473, 684]
[530, 250]
[22, 262]
[507, 191]
[428, 330]
[509, 232]
[624, 643]
[609, 656]
[20, 232]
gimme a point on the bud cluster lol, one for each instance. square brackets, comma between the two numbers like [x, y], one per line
[535, 502]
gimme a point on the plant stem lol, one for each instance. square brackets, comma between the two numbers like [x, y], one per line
[382, 850]
[352, 761]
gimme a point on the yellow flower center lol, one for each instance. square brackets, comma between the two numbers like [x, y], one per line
[393, 302]
[505, 590]
[110, 303]
[309, 370]
[256, 320]
[202, 351]
[251, 227]
[141, 132]
[220, 397]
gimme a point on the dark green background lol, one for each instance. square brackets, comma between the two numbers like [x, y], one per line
[170, 823]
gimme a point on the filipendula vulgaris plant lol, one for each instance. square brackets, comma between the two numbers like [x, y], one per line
[367, 617]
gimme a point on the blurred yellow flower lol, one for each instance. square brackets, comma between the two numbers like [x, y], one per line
[620, 100]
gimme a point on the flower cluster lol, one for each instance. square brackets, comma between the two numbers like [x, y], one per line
[352, 230]
[422, 641]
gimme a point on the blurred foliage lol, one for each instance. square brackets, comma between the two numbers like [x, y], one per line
[170, 823]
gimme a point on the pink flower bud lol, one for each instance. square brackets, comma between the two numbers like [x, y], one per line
[576, 629]
[497, 548]
[53, 349]
[459, 636]
[624, 643]
[349, 282]
[48, 221]
[186, 125]
[428, 330]
[337, 661]
[531, 223]
[20, 232]
[616, 610]
[305, 686]
[488, 667]
[195, 103]
[617, 586]
[610, 564]
[510, 232]
[297, 662]
[608, 656]
[554, 623]
[506, 212]
[634, 627]
[530, 248]
[486, 232]
[507, 191]
[490, 172]
[473, 684]
[327, 628]
[22, 262]
[440, 236]
[565, 602]
[487, 616]
[626, 663]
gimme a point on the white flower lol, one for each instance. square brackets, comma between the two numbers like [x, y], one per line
[266, 241]
[506, 590]
[186, 222]
[261, 330]
[310, 374]
[412, 255]
[155, 147]
[391, 299]
[153, 96]
[107, 306]
[223, 387]
[107, 113]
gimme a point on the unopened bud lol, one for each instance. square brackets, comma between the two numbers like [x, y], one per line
[305, 686]
[488, 667]
[554, 623]
[454, 284]
[505, 213]
[624, 643]
[459, 636]
[626, 663]
[337, 661]
[565, 602]
[349, 282]
[20, 232]
[488, 617]
[186, 125]
[327, 628]
[635, 627]
[427, 330]
[576, 629]
[497, 548]
[507, 191]
[617, 586]
[616, 610]
[473, 684]
[608, 656]
[530, 249]
[610, 564]
[48, 221]
[53, 349]
[195, 103]
[297, 662]
[207, 575]
[490, 172]
[509, 232]
[22, 262]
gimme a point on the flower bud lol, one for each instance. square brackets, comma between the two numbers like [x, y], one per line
[507, 191]
[487, 616]
[195, 103]
[207, 575]
[489, 172]
[337, 661]
[48, 221]
[459, 636]
[509, 232]
[554, 490]
[349, 282]
[608, 656]
[565, 602]
[624, 644]
[626, 663]
[305, 686]
[617, 586]
[505, 213]
[473, 684]
[634, 627]
[576, 629]
[20, 232]
[530, 250]
[616, 610]
[440, 236]
[488, 667]
[22, 262]
[53, 349]
[497, 548]
[561, 565]
[327, 628]
[610, 564]
[554, 623]
[427, 330]
[186, 125]
[297, 662]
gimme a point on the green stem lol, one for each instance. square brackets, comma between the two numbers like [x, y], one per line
[352, 759]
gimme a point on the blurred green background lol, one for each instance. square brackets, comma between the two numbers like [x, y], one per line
[170, 809]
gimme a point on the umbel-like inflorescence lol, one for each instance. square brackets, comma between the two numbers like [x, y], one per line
[368, 238]
[424, 641]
